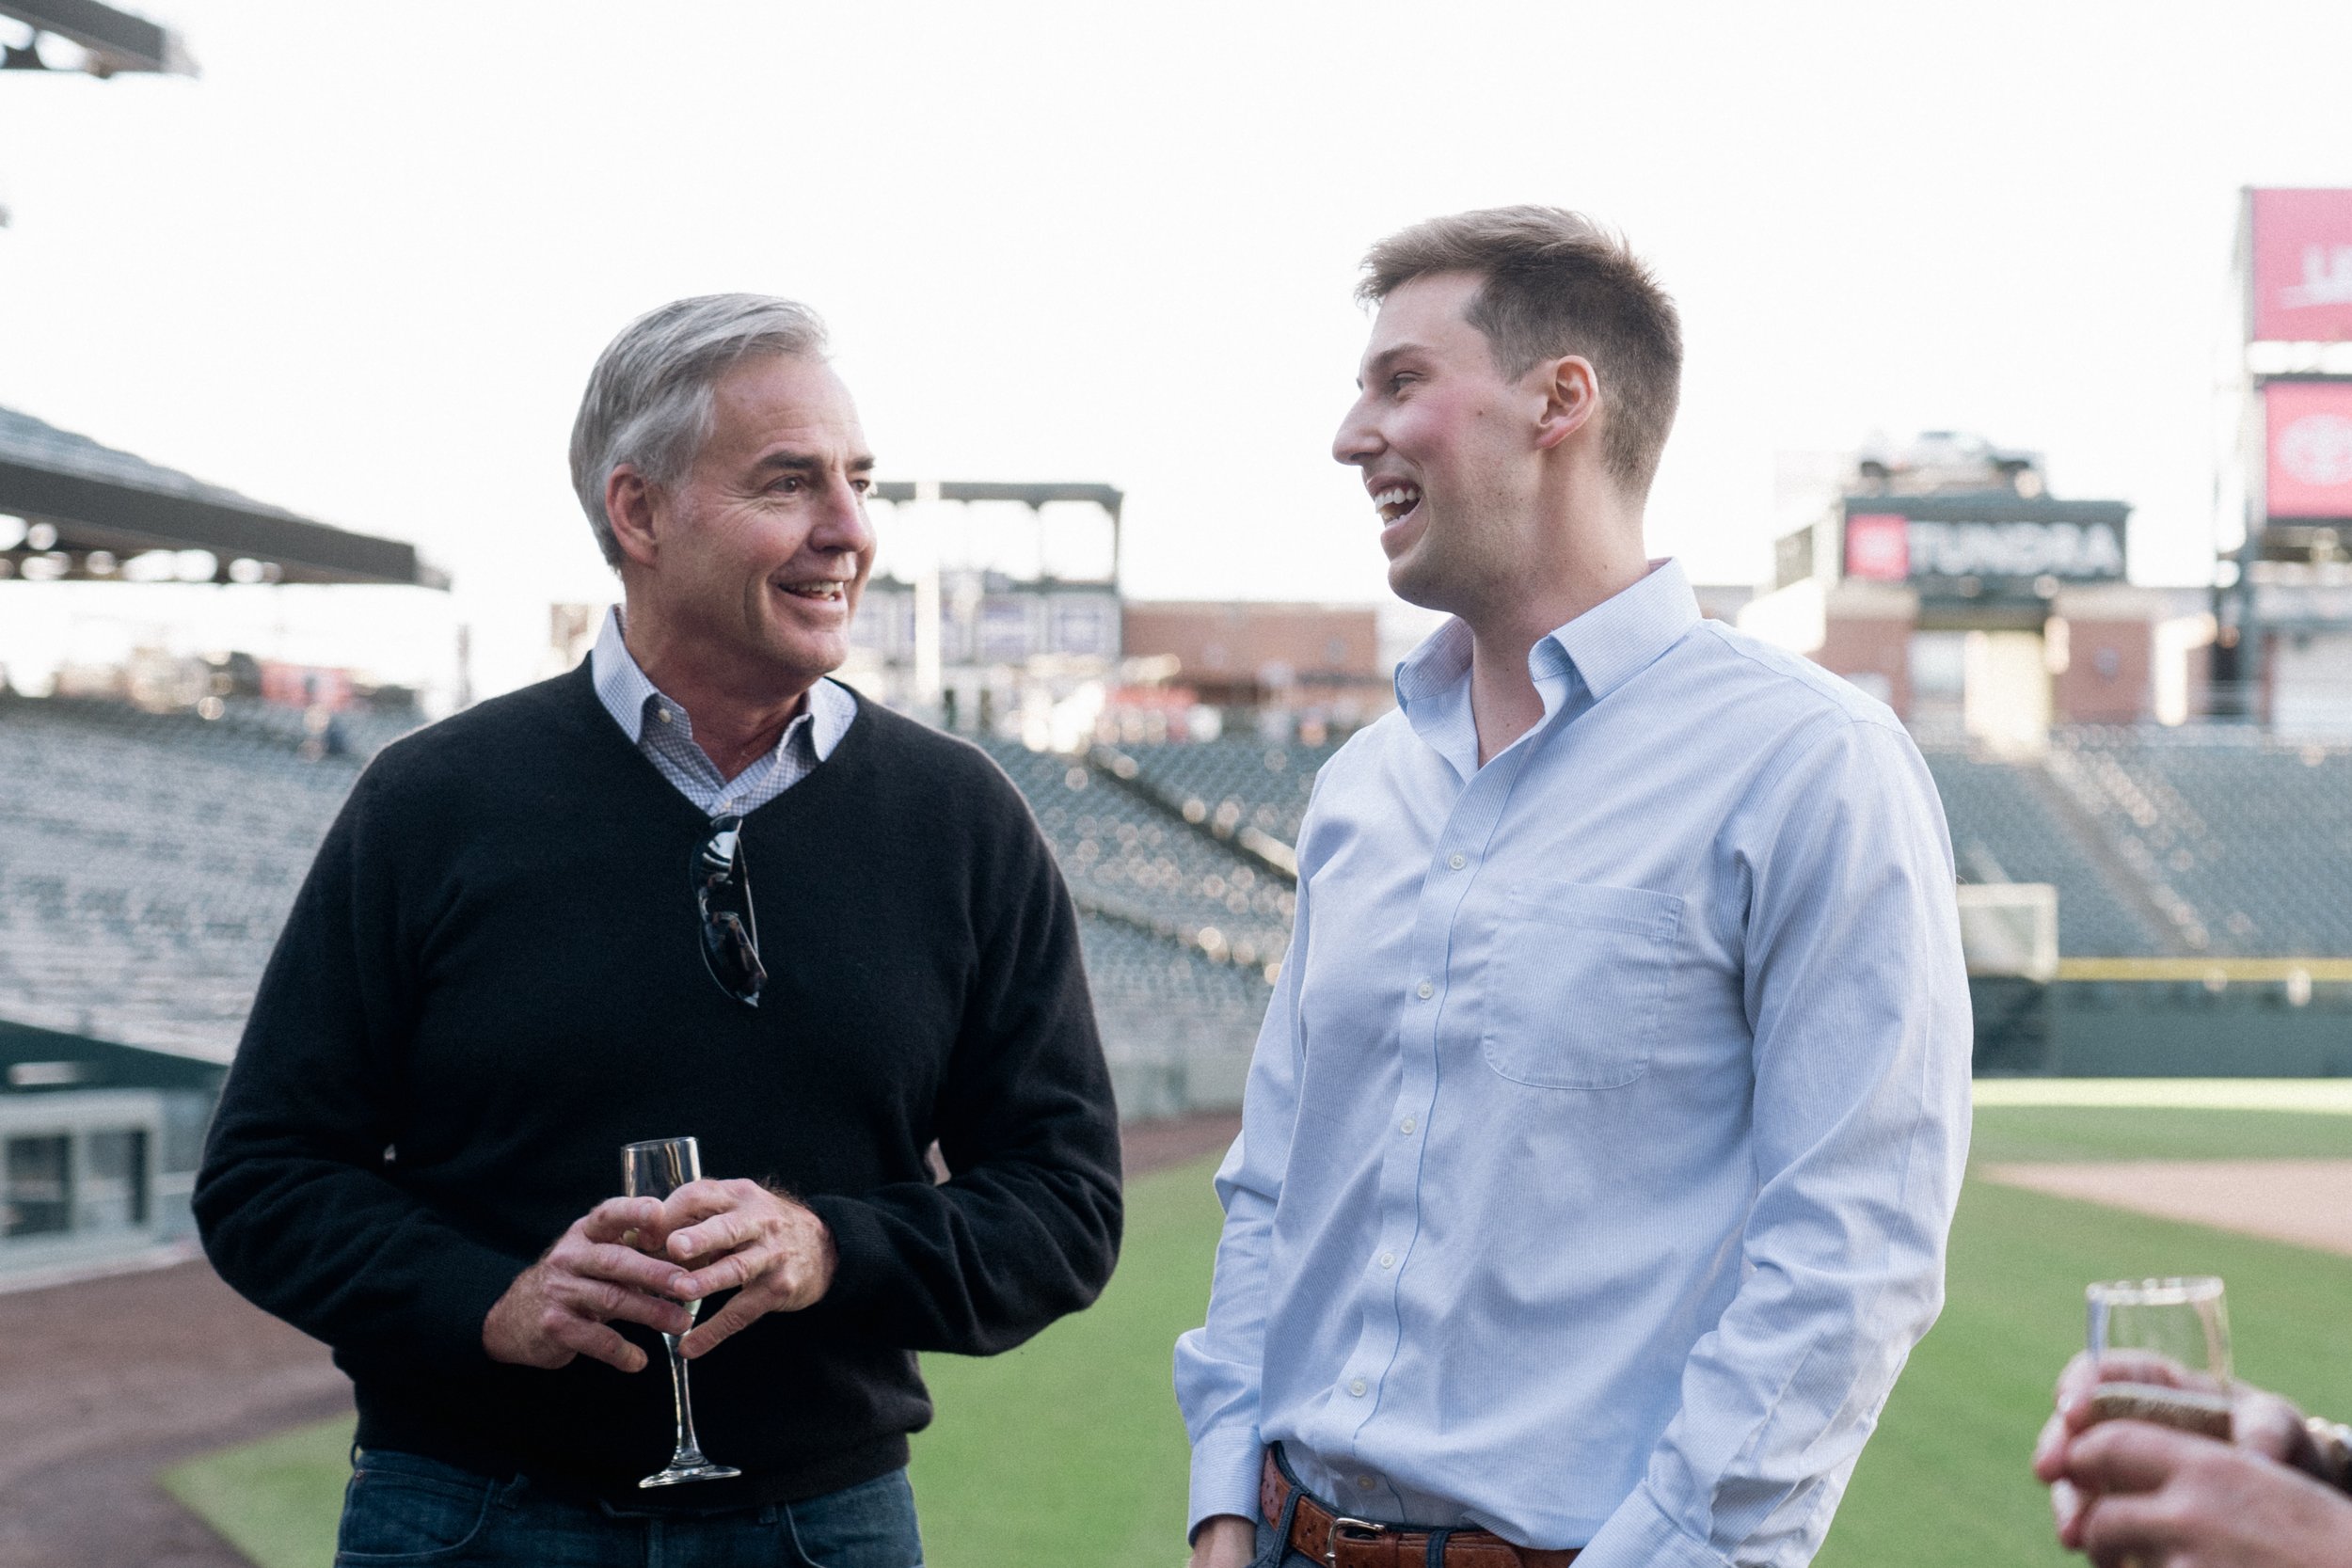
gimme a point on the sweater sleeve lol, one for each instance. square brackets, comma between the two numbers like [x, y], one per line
[295, 1199]
[1027, 1226]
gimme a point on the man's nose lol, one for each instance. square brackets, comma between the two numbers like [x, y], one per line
[1358, 442]
[842, 523]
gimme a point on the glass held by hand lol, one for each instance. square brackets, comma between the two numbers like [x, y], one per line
[656, 1169]
[2163, 1350]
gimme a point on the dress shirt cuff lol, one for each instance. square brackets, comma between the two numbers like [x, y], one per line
[1225, 1467]
[1640, 1535]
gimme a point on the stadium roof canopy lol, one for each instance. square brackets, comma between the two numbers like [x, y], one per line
[79, 498]
[115, 41]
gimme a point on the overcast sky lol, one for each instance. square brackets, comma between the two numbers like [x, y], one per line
[361, 267]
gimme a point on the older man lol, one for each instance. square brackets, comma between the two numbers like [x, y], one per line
[1604, 1131]
[531, 939]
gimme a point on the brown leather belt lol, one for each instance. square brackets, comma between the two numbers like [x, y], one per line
[1340, 1542]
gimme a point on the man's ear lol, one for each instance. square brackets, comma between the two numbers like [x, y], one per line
[1571, 393]
[631, 507]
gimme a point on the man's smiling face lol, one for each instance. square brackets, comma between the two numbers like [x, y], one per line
[764, 544]
[1441, 439]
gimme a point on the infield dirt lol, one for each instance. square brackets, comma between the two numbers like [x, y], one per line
[2306, 1202]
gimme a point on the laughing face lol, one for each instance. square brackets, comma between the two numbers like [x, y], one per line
[763, 546]
[1443, 442]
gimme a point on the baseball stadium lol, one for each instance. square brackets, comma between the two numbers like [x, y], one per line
[2148, 791]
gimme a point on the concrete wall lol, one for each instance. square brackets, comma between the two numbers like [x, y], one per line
[2161, 1029]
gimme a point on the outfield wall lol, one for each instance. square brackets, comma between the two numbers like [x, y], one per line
[2217, 1025]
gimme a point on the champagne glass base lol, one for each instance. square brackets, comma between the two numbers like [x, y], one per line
[695, 1468]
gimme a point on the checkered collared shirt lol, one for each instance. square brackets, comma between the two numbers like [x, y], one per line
[659, 728]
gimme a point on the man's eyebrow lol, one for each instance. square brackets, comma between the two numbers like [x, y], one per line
[808, 463]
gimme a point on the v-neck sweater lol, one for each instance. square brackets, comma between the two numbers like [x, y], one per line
[492, 979]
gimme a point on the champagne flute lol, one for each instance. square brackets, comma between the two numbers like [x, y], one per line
[656, 1170]
[2168, 1343]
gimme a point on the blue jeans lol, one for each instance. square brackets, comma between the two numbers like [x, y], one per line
[1269, 1556]
[401, 1509]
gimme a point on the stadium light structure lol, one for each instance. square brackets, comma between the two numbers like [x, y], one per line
[70, 508]
[1034, 497]
[930, 607]
[114, 42]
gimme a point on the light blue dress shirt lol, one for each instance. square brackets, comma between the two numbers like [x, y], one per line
[663, 731]
[1604, 1131]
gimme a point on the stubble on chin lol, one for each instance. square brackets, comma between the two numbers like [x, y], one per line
[1418, 580]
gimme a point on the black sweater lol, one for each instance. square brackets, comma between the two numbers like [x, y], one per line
[492, 980]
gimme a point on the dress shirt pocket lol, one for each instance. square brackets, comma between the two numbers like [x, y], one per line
[1576, 993]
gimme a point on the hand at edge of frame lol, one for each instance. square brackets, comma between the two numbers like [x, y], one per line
[564, 1306]
[771, 1250]
[2155, 1495]
[2260, 1420]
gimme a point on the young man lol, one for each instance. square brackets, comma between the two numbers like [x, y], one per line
[1604, 1131]
[691, 889]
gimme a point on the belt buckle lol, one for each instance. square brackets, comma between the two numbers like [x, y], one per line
[1353, 1530]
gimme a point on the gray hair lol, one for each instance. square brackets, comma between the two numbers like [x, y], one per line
[648, 401]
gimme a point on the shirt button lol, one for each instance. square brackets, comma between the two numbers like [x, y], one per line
[727, 804]
[1358, 1388]
[1425, 990]
[663, 714]
[1457, 860]
[1366, 1482]
[1405, 1126]
[1388, 1260]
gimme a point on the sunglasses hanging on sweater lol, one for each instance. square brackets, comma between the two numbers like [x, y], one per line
[722, 895]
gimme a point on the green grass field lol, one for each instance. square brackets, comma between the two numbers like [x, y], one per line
[1070, 1450]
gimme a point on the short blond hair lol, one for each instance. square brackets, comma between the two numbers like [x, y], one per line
[1557, 283]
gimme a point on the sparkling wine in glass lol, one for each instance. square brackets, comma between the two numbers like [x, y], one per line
[656, 1170]
[2163, 1346]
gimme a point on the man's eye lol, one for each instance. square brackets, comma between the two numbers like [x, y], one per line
[1396, 382]
[790, 484]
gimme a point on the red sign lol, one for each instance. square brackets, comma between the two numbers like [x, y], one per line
[2309, 429]
[1878, 546]
[2303, 267]
[306, 686]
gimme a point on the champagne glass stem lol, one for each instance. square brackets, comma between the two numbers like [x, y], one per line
[690, 1449]
[655, 1168]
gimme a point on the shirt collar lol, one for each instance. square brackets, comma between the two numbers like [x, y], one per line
[1606, 646]
[1619, 638]
[624, 690]
[621, 685]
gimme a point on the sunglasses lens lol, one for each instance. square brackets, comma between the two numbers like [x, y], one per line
[722, 898]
